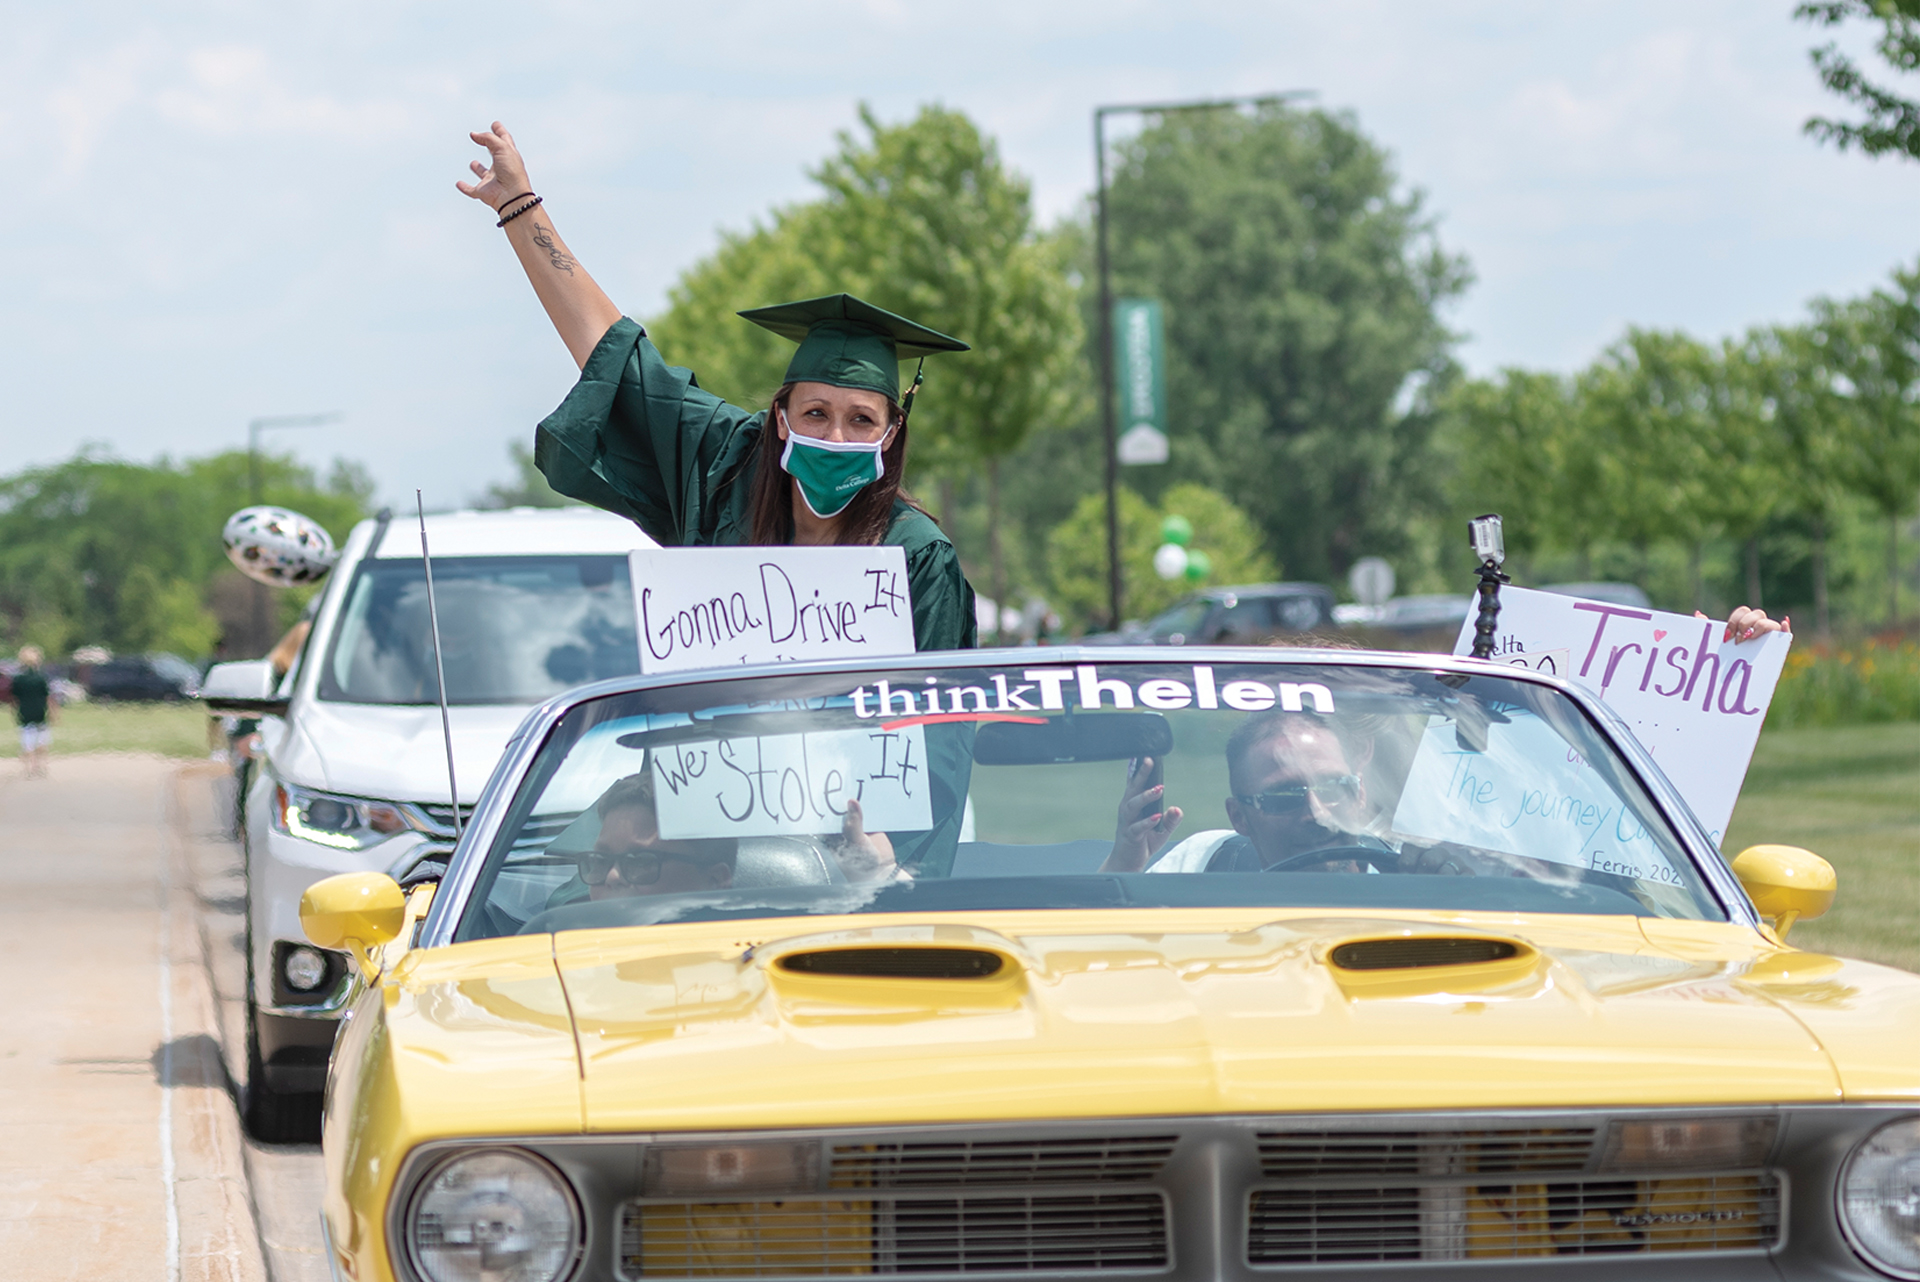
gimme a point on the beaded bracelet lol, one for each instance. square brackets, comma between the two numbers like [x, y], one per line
[523, 209]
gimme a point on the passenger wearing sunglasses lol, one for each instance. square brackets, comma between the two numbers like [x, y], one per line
[1296, 790]
[629, 857]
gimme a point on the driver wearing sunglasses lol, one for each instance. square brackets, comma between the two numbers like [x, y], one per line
[1297, 789]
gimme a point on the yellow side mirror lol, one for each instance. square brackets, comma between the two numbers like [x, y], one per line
[1786, 883]
[358, 911]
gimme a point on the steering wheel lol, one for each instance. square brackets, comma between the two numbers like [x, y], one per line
[1328, 855]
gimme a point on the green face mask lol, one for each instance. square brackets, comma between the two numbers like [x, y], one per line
[830, 473]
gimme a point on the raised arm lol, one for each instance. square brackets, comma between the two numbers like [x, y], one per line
[579, 309]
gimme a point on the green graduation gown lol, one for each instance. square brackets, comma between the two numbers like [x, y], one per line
[640, 437]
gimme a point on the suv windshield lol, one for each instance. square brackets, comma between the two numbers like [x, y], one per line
[984, 788]
[513, 629]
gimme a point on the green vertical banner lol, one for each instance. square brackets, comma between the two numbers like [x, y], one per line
[1140, 369]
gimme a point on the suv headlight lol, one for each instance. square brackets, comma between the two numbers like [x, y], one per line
[494, 1213]
[344, 823]
[1880, 1198]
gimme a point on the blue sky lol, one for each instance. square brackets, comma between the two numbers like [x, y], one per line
[221, 210]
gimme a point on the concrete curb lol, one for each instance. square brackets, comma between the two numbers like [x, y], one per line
[217, 1237]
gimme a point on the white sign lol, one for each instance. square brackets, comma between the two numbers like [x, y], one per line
[1143, 443]
[1527, 794]
[1371, 579]
[768, 785]
[714, 607]
[1694, 701]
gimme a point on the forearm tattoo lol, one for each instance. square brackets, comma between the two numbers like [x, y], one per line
[560, 258]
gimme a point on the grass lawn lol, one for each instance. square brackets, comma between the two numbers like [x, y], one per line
[165, 729]
[1851, 794]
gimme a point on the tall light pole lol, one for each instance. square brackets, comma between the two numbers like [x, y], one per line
[254, 428]
[1115, 594]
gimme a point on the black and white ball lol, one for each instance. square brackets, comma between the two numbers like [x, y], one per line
[278, 547]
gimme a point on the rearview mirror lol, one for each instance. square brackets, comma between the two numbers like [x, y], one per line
[245, 688]
[360, 912]
[1108, 736]
[1786, 883]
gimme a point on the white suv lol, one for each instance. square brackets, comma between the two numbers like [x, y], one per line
[353, 768]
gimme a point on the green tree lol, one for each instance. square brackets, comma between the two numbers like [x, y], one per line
[1302, 294]
[1077, 551]
[1516, 449]
[528, 488]
[1872, 348]
[1891, 123]
[923, 219]
[1647, 413]
[98, 550]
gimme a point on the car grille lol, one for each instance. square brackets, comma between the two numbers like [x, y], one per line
[976, 1233]
[1296, 1155]
[1398, 1195]
[1509, 1221]
[1093, 1161]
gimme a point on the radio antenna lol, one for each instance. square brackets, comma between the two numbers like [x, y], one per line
[439, 665]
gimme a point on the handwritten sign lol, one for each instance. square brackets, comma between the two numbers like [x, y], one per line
[1694, 701]
[1528, 794]
[772, 785]
[715, 607]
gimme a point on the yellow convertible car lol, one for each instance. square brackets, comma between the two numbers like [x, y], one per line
[1098, 964]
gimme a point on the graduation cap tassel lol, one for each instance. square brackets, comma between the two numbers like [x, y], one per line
[913, 390]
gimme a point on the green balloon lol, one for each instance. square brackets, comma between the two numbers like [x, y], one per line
[1177, 530]
[1199, 566]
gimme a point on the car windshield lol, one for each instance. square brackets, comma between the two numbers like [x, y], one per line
[996, 788]
[513, 629]
[1181, 620]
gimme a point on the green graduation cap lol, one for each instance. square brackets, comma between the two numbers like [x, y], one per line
[845, 342]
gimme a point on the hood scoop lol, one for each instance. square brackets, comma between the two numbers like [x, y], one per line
[1420, 951]
[919, 963]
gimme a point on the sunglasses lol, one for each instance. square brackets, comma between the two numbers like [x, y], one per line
[641, 869]
[1296, 798]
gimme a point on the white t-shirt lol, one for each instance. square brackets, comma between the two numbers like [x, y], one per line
[1194, 853]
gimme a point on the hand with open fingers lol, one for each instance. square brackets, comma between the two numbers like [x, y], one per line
[1144, 821]
[1748, 622]
[864, 856]
[504, 178]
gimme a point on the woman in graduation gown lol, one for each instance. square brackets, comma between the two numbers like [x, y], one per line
[822, 465]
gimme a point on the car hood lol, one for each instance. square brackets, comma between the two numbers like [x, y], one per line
[394, 753]
[690, 1027]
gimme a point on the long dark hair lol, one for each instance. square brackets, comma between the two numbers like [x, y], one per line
[770, 498]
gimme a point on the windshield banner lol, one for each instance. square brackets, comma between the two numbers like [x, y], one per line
[769, 785]
[1526, 794]
[1694, 701]
[717, 607]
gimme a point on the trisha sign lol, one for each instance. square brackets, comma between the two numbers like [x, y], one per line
[1694, 701]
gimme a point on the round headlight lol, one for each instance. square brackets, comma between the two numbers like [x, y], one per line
[1880, 1198]
[304, 968]
[493, 1215]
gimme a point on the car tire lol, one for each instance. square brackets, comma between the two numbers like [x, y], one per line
[272, 1117]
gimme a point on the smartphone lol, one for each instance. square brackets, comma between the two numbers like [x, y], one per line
[1155, 776]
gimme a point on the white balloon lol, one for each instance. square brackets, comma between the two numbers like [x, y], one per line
[277, 546]
[1170, 561]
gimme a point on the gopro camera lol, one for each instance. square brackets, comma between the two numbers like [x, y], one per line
[1489, 544]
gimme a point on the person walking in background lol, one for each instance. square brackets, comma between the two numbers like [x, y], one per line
[33, 705]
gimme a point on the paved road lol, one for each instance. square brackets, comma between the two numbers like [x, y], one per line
[121, 1153]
